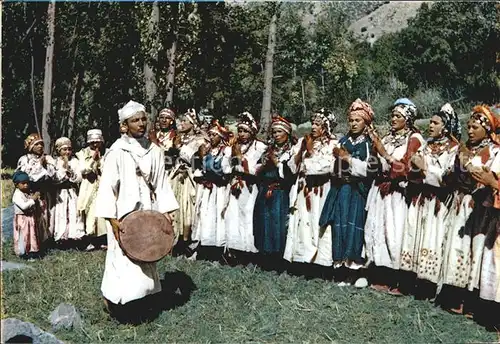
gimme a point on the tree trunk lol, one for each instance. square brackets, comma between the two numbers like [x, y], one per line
[47, 81]
[304, 107]
[171, 73]
[72, 110]
[149, 76]
[32, 84]
[265, 114]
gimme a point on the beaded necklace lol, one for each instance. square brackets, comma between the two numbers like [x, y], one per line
[437, 146]
[396, 139]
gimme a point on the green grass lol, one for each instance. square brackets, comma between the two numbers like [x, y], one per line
[7, 186]
[230, 304]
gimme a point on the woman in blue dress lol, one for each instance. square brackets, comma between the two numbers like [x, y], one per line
[344, 209]
[274, 182]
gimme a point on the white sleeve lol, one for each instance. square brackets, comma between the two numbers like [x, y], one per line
[253, 157]
[281, 163]
[359, 167]
[165, 198]
[109, 185]
[321, 163]
[38, 173]
[76, 176]
[226, 161]
[295, 150]
[20, 201]
[83, 164]
[436, 171]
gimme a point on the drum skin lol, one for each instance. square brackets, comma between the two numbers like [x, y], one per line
[146, 236]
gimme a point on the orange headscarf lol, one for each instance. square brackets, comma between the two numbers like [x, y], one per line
[492, 124]
[363, 109]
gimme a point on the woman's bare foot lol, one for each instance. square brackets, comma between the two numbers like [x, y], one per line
[395, 292]
[379, 287]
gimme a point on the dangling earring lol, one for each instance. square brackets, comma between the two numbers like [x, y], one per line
[123, 128]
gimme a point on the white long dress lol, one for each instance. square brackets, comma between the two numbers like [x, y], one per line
[387, 209]
[464, 251]
[305, 243]
[88, 192]
[427, 222]
[209, 226]
[122, 191]
[67, 223]
[238, 215]
[183, 184]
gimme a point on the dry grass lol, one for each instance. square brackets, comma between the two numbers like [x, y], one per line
[7, 187]
[230, 304]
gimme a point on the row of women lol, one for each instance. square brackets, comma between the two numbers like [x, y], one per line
[55, 197]
[422, 213]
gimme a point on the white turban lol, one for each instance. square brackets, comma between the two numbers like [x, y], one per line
[129, 110]
[94, 135]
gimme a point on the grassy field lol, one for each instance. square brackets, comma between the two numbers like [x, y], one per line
[213, 303]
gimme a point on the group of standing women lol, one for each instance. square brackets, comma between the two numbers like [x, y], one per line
[55, 197]
[420, 214]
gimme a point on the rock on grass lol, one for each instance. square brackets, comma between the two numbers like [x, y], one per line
[17, 331]
[65, 316]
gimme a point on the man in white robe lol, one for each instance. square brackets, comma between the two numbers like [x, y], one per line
[123, 189]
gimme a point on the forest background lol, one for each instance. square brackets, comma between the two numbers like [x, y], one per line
[68, 66]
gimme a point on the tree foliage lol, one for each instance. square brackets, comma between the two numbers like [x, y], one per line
[101, 48]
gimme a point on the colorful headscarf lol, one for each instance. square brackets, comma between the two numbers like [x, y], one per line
[363, 109]
[279, 122]
[405, 108]
[327, 118]
[483, 115]
[192, 117]
[129, 110]
[218, 129]
[62, 142]
[451, 122]
[94, 135]
[20, 176]
[168, 113]
[31, 141]
[247, 122]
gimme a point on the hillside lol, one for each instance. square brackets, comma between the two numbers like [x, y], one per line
[390, 17]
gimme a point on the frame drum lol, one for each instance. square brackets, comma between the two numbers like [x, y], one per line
[146, 236]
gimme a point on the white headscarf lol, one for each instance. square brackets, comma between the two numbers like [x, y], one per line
[129, 110]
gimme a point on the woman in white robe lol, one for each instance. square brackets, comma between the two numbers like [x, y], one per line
[213, 190]
[90, 161]
[121, 191]
[238, 212]
[386, 203]
[426, 224]
[312, 159]
[68, 225]
[165, 137]
[471, 221]
[182, 179]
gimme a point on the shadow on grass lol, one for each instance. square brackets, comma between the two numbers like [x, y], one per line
[177, 288]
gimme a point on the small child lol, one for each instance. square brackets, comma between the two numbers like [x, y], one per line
[26, 236]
